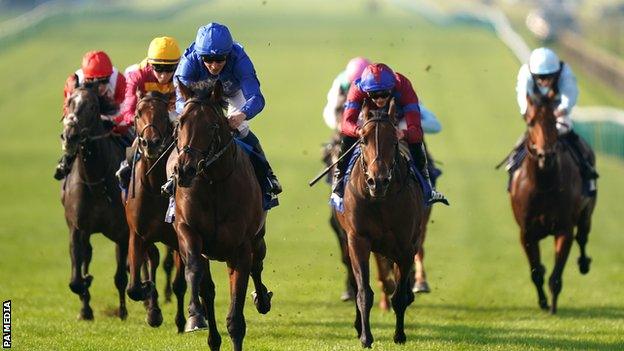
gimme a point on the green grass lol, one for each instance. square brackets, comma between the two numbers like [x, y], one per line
[482, 295]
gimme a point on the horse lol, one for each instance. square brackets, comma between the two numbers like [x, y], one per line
[91, 197]
[547, 198]
[219, 212]
[146, 208]
[379, 184]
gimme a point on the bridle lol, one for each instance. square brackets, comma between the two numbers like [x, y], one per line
[530, 147]
[143, 142]
[211, 154]
[363, 164]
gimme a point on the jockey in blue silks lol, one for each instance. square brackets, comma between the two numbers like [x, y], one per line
[214, 55]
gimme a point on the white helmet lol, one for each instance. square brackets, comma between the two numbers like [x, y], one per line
[543, 61]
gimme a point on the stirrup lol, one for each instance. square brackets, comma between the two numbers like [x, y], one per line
[61, 171]
[437, 197]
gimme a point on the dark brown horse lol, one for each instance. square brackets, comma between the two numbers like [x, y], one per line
[547, 198]
[91, 197]
[146, 208]
[383, 211]
[219, 211]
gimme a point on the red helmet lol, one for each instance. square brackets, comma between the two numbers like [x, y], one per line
[96, 64]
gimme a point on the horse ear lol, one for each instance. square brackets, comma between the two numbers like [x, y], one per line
[185, 91]
[217, 92]
[392, 111]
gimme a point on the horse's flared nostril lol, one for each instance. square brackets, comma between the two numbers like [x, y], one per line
[370, 182]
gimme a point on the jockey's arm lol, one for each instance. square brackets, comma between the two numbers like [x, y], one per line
[355, 98]
[568, 90]
[185, 74]
[428, 121]
[408, 100]
[128, 107]
[250, 86]
[522, 87]
[334, 105]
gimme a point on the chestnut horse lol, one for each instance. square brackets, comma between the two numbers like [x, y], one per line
[383, 212]
[90, 195]
[146, 208]
[547, 198]
[219, 212]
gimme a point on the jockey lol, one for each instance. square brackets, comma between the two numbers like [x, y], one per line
[545, 73]
[98, 71]
[377, 85]
[337, 96]
[154, 73]
[215, 55]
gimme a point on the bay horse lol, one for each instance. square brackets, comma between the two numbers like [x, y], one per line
[547, 198]
[146, 208]
[219, 212]
[90, 195]
[383, 211]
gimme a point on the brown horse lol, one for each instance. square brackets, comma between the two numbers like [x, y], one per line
[379, 195]
[146, 208]
[547, 198]
[91, 197]
[219, 211]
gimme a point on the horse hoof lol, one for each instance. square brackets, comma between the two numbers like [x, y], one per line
[123, 313]
[86, 314]
[262, 302]
[195, 323]
[420, 288]
[154, 318]
[544, 305]
[367, 344]
[180, 321]
[553, 310]
[135, 293]
[400, 338]
[584, 263]
[347, 295]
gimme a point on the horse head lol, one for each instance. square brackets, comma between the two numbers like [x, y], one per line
[541, 130]
[201, 129]
[379, 146]
[152, 123]
[82, 118]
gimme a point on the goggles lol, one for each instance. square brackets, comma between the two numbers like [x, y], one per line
[379, 94]
[213, 58]
[163, 68]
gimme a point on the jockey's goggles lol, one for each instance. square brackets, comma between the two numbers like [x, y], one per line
[163, 68]
[544, 76]
[98, 80]
[379, 94]
[213, 58]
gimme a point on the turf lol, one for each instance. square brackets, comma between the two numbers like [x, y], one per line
[482, 295]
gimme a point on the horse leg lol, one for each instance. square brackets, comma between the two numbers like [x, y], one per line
[78, 284]
[563, 243]
[531, 248]
[420, 283]
[179, 289]
[168, 268]
[262, 296]
[208, 294]
[385, 281]
[403, 296]
[349, 293]
[239, 270]
[154, 315]
[190, 248]
[121, 277]
[582, 232]
[86, 313]
[137, 250]
[359, 251]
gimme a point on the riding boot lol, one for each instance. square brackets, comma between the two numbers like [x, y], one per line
[124, 172]
[346, 143]
[64, 166]
[587, 169]
[419, 154]
[252, 140]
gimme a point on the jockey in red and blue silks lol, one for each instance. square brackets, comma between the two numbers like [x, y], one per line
[214, 55]
[377, 85]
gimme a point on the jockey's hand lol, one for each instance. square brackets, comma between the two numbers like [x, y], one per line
[400, 134]
[561, 112]
[236, 119]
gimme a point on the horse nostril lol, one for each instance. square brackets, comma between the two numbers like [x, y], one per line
[370, 182]
[143, 142]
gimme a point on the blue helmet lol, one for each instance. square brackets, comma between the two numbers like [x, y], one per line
[376, 77]
[213, 39]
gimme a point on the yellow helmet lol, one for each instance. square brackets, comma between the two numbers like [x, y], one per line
[163, 51]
